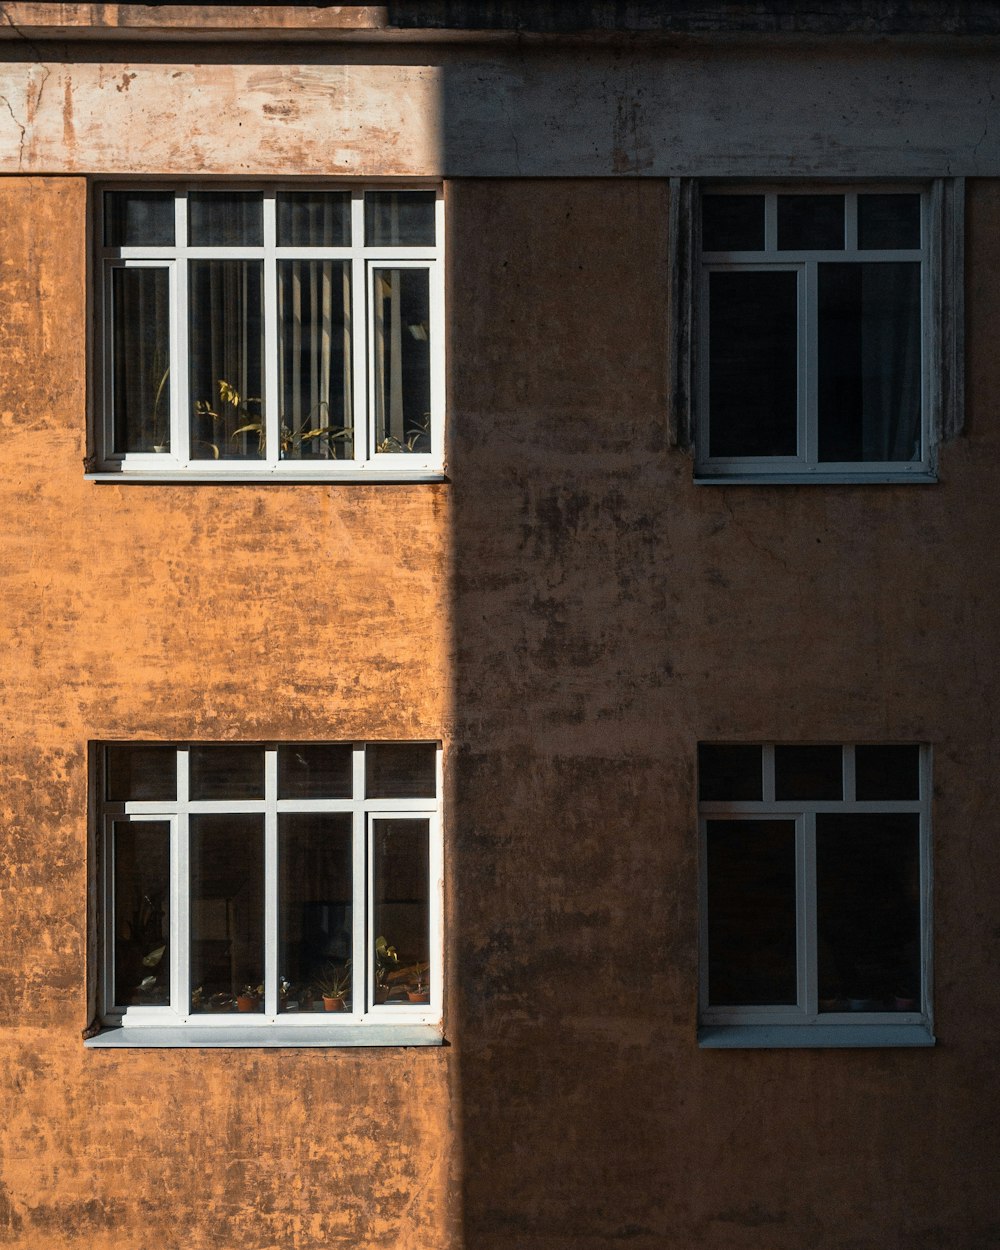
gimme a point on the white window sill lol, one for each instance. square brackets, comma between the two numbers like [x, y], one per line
[814, 479]
[188, 477]
[759, 1036]
[117, 1038]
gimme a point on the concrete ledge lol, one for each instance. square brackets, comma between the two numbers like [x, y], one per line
[180, 478]
[195, 1038]
[813, 1036]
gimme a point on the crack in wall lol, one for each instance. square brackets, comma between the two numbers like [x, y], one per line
[23, 129]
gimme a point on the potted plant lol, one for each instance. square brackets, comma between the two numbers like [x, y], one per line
[386, 959]
[420, 990]
[248, 999]
[335, 986]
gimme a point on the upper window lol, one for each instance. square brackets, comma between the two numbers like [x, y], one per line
[815, 919]
[270, 332]
[815, 342]
[292, 890]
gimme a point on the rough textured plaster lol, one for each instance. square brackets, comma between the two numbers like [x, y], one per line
[859, 110]
[229, 612]
[608, 615]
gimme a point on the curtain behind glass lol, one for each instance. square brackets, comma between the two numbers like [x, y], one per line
[140, 301]
[402, 360]
[314, 298]
[869, 361]
[226, 359]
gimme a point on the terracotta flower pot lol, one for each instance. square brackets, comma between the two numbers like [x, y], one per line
[419, 996]
[334, 1004]
[245, 1003]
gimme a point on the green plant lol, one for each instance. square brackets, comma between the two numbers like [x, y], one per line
[294, 440]
[229, 397]
[411, 440]
[385, 958]
[335, 982]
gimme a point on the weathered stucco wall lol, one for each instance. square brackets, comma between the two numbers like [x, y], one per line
[608, 614]
[196, 613]
[753, 107]
[570, 613]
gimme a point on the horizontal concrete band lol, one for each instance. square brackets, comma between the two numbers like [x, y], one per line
[193, 1038]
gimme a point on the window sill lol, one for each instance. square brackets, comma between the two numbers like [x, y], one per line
[118, 1038]
[815, 479]
[775, 1036]
[187, 477]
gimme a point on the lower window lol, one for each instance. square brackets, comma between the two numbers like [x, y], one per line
[815, 918]
[290, 887]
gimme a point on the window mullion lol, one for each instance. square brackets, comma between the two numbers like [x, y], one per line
[808, 359]
[180, 906]
[362, 913]
[806, 912]
[359, 332]
[272, 416]
[271, 969]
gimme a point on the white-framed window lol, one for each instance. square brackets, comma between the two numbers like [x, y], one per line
[269, 331]
[821, 331]
[288, 893]
[815, 895]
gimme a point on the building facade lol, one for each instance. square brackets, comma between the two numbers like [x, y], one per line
[499, 538]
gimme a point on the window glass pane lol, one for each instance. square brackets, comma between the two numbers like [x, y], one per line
[314, 359]
[810, 222]
[315, 917]
[227, 913]
[315, 771]
[732, 223]
[227, 360]
[227, 772]
[751, 912]
[140, 350]
[141, 771]
[400, 770]
[886, 221]
[753, 341]
[868, 911]
[729, 773]
[402, 919]
[399, 218]
[808, 773]
[141, 852]
[139, 218]
[225, 219]
[886, 772]
[313, 218]
[869, 361]
[402, 360]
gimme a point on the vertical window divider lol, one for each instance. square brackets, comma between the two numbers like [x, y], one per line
[849, 775]
[359, 332]
[271, 416]
[767, 773]
[851, 221]
[808, 972]
[271, 970]
[435, 893]
[362, 938]
[108, 917]
[180, 909]
[180, 404]
[771, 222]
[809, 364]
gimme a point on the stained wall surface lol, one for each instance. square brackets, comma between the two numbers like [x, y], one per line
[570, 614]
